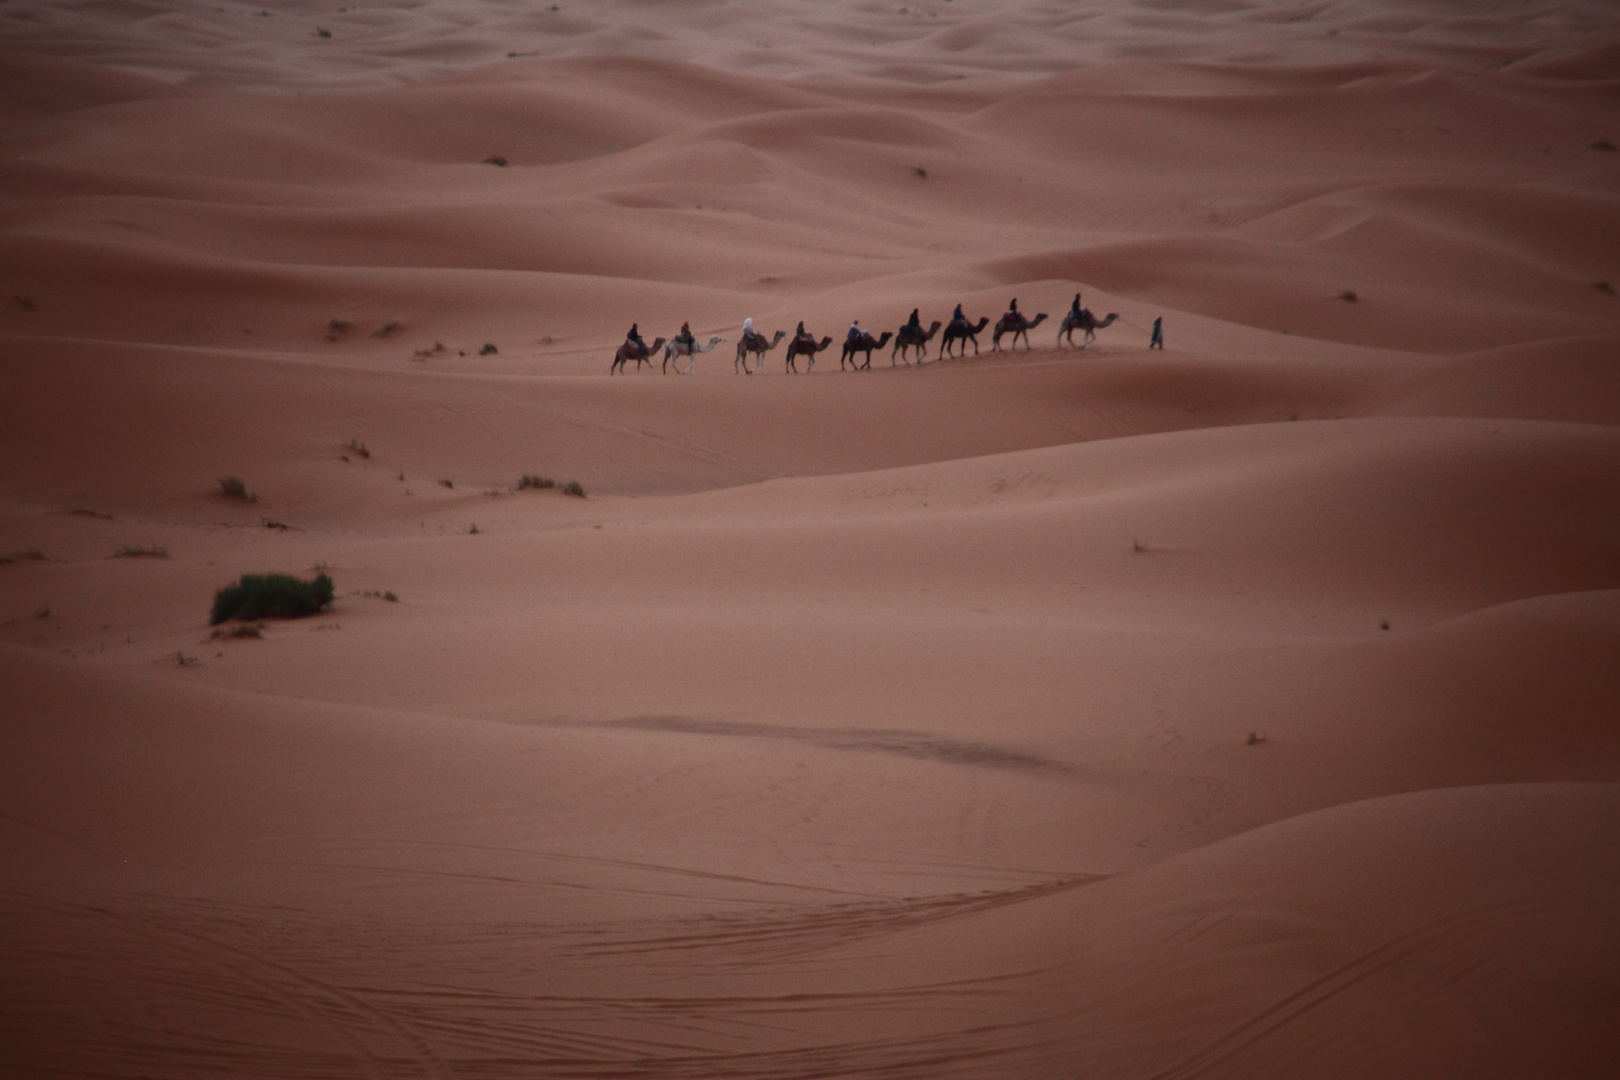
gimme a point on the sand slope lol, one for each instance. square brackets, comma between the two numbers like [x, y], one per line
[1240, 709]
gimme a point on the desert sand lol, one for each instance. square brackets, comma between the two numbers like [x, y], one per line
[1246, 708]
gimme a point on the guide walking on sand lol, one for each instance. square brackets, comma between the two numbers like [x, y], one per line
[1157, 340]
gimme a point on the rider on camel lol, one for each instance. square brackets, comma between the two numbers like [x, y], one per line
[914, 323]
[685, 336]
[854, 331]
[634, 338]
[748, 329]
[957, 316]
[1074, 308]
[1012, 315]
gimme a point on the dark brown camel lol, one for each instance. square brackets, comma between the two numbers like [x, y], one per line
[755, 343]
[863, 344]
[1085, 321]
[917, 338]
[1017, 326]
[640, 354]
[805, 345]
[963, 331]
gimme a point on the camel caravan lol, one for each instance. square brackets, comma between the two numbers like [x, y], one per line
[859, 345]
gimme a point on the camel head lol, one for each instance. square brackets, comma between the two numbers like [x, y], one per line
[1039, 318]
[884, 340]
[932, 330]
[823, 343]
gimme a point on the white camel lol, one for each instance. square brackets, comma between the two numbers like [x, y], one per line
[678, 349]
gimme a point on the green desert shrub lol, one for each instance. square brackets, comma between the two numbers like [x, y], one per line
[233, 488]
[532, 481]
[573, 488]
[281, 596]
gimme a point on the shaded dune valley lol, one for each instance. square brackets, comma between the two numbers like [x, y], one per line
[1045, 707]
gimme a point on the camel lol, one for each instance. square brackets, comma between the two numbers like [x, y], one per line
[678, 349]
[642, 355]
[755, 343]
[963, 331]
[907, 338]
[1087, 322]
[1016, 325]
[863, 344]
[805, 346]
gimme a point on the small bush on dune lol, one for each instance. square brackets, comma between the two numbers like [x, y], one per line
[233, 488]
[141, 551]
[281, 596]
[545, 482]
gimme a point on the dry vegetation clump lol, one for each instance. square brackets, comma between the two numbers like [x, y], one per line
[279, 596]
[141, 551]
[233, 488]
[358, 447]
[239, 631]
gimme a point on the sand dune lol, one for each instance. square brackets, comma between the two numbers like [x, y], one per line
[1238, 709]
